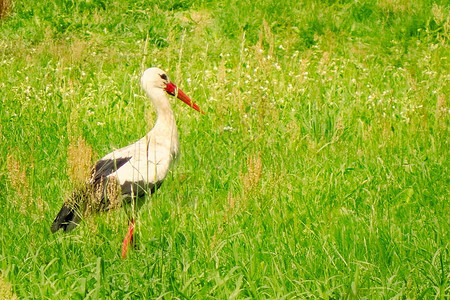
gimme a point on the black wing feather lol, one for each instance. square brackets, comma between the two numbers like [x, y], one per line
[105, 167]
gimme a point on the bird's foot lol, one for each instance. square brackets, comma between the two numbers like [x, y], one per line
[128, 240]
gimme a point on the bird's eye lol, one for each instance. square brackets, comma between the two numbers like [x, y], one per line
[163, 76]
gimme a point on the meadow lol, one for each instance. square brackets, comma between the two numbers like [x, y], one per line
[320, 169]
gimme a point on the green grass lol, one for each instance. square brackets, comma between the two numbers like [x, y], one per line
[320, 169]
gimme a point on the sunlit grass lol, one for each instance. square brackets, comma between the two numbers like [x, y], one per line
[320, 169]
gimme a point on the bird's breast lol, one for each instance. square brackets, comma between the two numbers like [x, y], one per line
[150, 161]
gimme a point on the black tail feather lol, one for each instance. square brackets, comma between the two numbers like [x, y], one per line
[67, 219]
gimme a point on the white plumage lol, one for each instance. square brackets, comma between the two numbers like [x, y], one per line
[151, 156]
[132, 171]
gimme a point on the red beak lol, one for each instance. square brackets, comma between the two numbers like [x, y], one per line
[172, 89]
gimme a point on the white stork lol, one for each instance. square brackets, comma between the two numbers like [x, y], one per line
[127, 174]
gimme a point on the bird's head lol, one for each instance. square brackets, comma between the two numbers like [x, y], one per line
[155, 78]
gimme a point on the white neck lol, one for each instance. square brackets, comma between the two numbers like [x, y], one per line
[162, 105]
[165, 127]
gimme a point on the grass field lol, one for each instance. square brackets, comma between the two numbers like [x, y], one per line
[320, 169]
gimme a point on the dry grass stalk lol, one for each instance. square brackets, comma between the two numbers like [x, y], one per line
[41, 205]
[67, 52]
[395, 5]
[6, 290]
[441, 110]
[441, 107]
[221, 73]
[200, 19]
[253, 176]
[366, 130]
[269, 37]
[313, 145]
[79, 160]
[339, 128]
[5, 8]
[19, 181]
[302, 68]
[78, 50]
[324, 62]
[293, 130]
[112, 192]
[265, 35]
[231, 202]
[446, 29]
[221, 90]
[259, 44]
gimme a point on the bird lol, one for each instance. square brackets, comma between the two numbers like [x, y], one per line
[131, 172]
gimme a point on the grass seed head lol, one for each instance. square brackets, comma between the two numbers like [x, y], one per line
[253, 175]
[19, 181]
[438, 15]
[79, 160]
[6, 290]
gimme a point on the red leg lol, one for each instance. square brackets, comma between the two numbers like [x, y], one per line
[128, 239]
